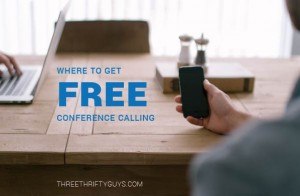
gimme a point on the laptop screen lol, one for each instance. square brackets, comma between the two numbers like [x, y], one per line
[53, 46]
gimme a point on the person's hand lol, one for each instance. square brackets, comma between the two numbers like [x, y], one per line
[10, 63]
[223, 116]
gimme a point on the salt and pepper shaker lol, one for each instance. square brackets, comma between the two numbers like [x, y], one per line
[185, 53]
[201, 44]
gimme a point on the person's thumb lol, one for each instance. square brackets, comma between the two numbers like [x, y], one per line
[209, 87]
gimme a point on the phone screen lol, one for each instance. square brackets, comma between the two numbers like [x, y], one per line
[193, 94]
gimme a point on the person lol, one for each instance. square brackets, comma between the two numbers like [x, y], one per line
[10, 63]
[258, 157]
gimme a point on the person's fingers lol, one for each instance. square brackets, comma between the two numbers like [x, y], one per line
[178, 99]
[205, 122]
[6, 61]
[209, 87]
[15, 65]
[179, 108]
[195, 121]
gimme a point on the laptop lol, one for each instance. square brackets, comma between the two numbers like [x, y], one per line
[23, 89]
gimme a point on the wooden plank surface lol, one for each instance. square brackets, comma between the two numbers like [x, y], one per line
[157, 142]
[32, 149]
[165, 180]
[137, 149]
[27, 119]
[38, 138]
[275, 79]
[55, 126]
[86, 127]
[35, 147]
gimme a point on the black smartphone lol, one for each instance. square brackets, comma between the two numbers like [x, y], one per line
[193, 95]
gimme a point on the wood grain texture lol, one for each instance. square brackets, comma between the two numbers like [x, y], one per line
[167, 180]
[137, 149]
[27, 119]
[32, 149]
[63, 127]
[169, 140]
[86, 127]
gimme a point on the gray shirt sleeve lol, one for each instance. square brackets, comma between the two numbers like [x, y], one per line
[263, 158]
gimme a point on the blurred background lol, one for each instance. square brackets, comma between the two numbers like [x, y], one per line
[236, 28]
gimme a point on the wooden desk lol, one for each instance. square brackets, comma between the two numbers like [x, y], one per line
[34, 145]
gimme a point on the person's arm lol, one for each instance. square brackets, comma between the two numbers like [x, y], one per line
[256, 160]
[223, 117]
[10, 63]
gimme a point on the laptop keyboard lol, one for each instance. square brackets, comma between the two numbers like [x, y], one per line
[16, 85]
